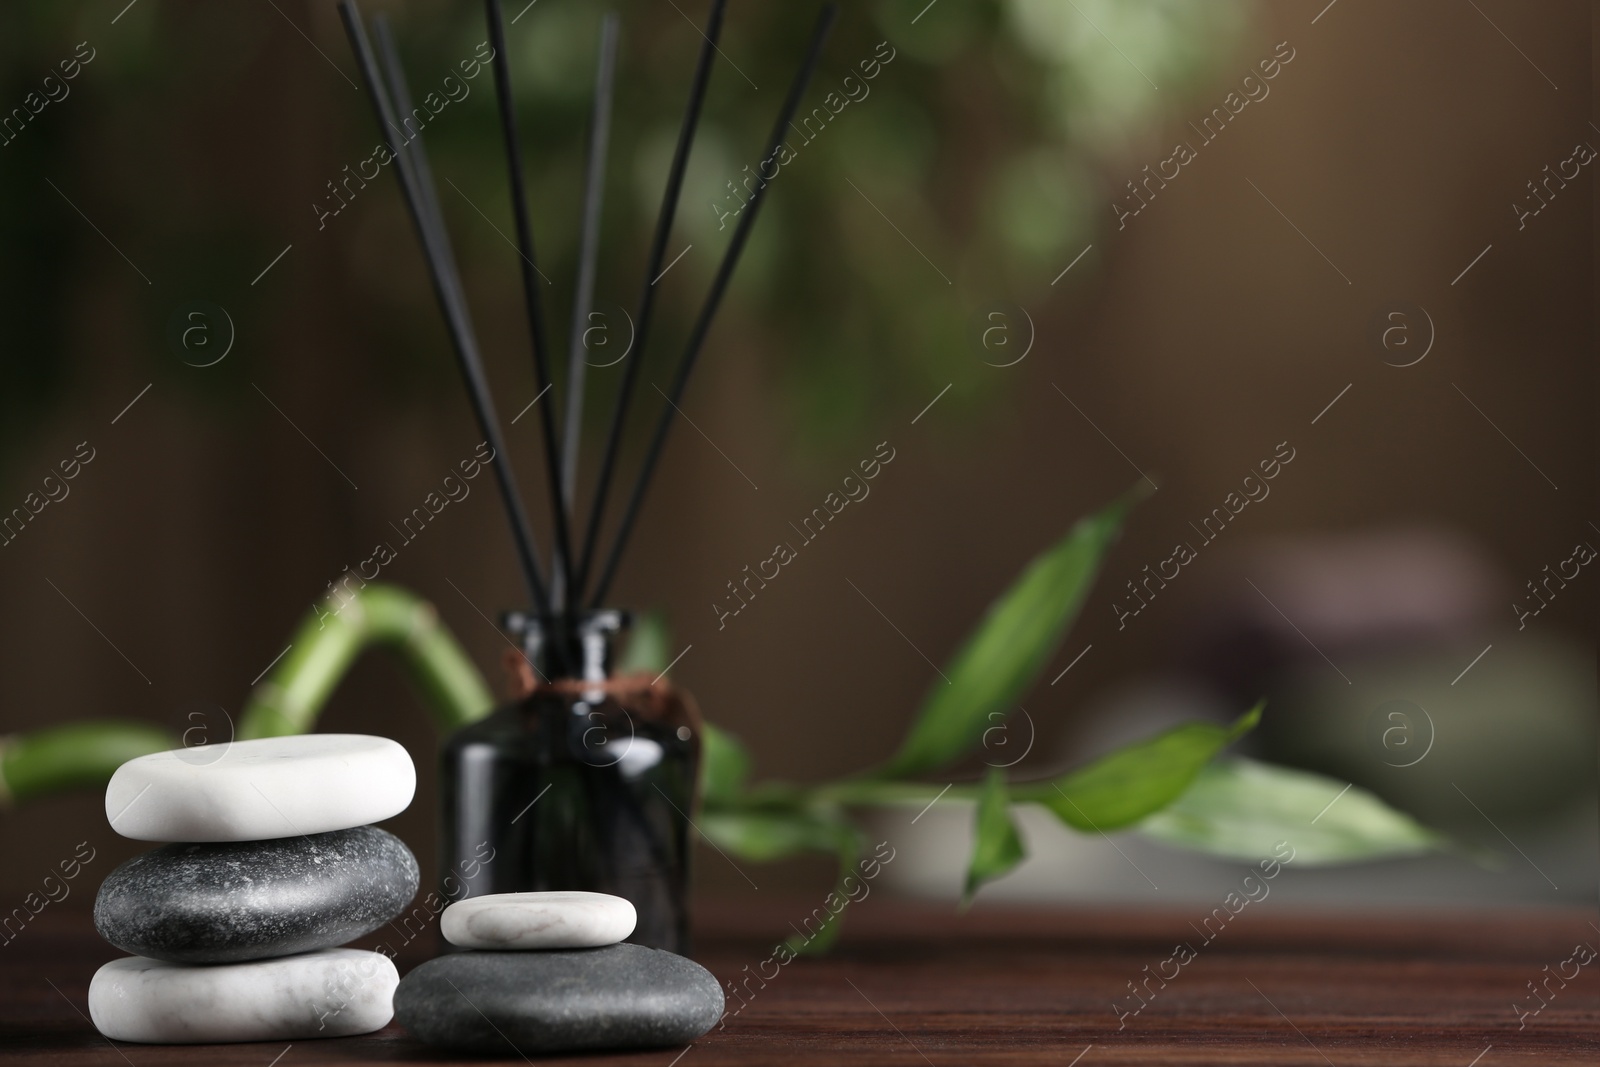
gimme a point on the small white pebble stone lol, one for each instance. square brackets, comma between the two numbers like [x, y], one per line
[550, 920]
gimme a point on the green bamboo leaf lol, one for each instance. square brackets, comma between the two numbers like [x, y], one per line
[724, 766]
[1242, 808]
[1011, 645]
[762, 836]
[765, 835]
[996, 845]
[1137, 780]
[819, 930]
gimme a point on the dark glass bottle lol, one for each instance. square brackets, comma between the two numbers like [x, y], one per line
[586, 782]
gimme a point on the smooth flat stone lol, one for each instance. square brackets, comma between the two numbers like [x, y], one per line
[332, 993]
[623, 996]
[538, 920]
[235, 901]
[255, 790]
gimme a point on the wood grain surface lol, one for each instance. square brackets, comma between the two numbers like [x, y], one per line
[922, 985]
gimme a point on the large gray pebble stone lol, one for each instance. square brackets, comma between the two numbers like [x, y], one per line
[522, 1003]
[226, 903]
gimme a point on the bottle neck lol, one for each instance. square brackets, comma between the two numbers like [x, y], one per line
[573, 646]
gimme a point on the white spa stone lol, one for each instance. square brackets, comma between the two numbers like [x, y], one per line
[257, 790]
[538, 921]
[333, 993]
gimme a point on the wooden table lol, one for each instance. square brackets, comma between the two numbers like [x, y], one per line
[921, 985]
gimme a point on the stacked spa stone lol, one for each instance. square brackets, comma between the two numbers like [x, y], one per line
[235, 928]
[547, 973]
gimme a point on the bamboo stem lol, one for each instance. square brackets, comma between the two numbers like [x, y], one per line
[866, 793]
[334, 634]
[81, 755]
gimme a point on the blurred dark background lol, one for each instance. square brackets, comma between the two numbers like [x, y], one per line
[954, 227]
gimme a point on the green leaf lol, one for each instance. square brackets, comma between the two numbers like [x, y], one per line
[996, 846]
[1011, 645]
[724, 766]
[1242, 808]
[764, 836]
[1137, 780]
[819, 930]
[649, 648]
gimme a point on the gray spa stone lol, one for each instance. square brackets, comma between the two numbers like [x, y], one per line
[249, 900]
[621, 996]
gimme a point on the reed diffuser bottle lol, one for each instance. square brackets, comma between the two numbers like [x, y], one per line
[584, 781]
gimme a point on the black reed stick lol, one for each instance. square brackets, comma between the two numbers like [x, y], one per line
[388, 56]
[658, 250]
[561, 576]
[446, 287]
[583, 296]
[719, 285]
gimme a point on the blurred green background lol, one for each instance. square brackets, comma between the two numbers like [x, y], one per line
[982, 163]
